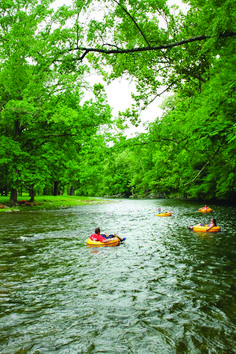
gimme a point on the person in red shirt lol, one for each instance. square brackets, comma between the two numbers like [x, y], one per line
[98, 237]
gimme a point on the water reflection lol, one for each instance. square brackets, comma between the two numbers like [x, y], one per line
[165, 290]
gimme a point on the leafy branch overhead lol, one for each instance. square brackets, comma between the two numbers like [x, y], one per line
[149, 48]
[159, 46]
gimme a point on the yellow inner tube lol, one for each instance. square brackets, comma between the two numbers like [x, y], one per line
[164, 214]
[203, 210]
[199, 228]
[115, 241]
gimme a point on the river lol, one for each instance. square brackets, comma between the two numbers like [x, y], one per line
[165, 290]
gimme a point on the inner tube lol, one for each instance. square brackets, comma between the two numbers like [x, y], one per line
[199, 228]
[164, 214]
[205, 210]
[115, 241]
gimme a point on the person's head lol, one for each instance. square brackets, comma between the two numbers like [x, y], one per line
[159, 209]
[97, 231]
[213, 221]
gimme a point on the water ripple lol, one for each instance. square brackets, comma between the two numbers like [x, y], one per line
[165, 290]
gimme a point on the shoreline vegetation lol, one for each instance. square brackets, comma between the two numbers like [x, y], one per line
[47, 202]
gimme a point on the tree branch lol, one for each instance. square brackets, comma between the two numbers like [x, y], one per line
[149, 48]
[206, 164]
[133, 20]
[158, 95]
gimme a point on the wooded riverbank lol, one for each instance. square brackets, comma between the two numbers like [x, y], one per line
[47, 203]
[59, 133]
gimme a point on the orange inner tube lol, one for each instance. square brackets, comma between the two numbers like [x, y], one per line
[164, 214]
[115, 241]
[199, 228]
[205, 210]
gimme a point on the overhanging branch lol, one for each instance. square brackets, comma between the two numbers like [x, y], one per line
[149, 48]
[206, 164]
[133, 20]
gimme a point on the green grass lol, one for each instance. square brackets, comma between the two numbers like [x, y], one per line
[46, 202]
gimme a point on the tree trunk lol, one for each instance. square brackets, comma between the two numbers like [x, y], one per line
[13, 197]
[56, 188]
[32, 194]
[6, 191]
[72, 192]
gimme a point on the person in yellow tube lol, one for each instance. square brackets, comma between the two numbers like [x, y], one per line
[212, 224]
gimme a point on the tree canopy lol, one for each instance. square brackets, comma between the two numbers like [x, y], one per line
[51, 135]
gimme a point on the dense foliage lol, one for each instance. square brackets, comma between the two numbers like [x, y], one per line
[43, 122]
[52, 137]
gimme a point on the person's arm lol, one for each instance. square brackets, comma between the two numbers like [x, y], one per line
[102, 239]
[211, 226]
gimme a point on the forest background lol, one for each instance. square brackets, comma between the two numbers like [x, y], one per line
[53, 140]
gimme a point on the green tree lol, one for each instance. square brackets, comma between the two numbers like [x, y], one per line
[44, 57]
[42, 120]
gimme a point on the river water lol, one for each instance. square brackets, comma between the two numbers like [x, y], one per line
[164, 290]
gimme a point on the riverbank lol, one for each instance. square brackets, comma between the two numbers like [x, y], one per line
[46, 202]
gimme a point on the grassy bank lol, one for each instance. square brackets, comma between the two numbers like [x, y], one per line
[47, 202]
